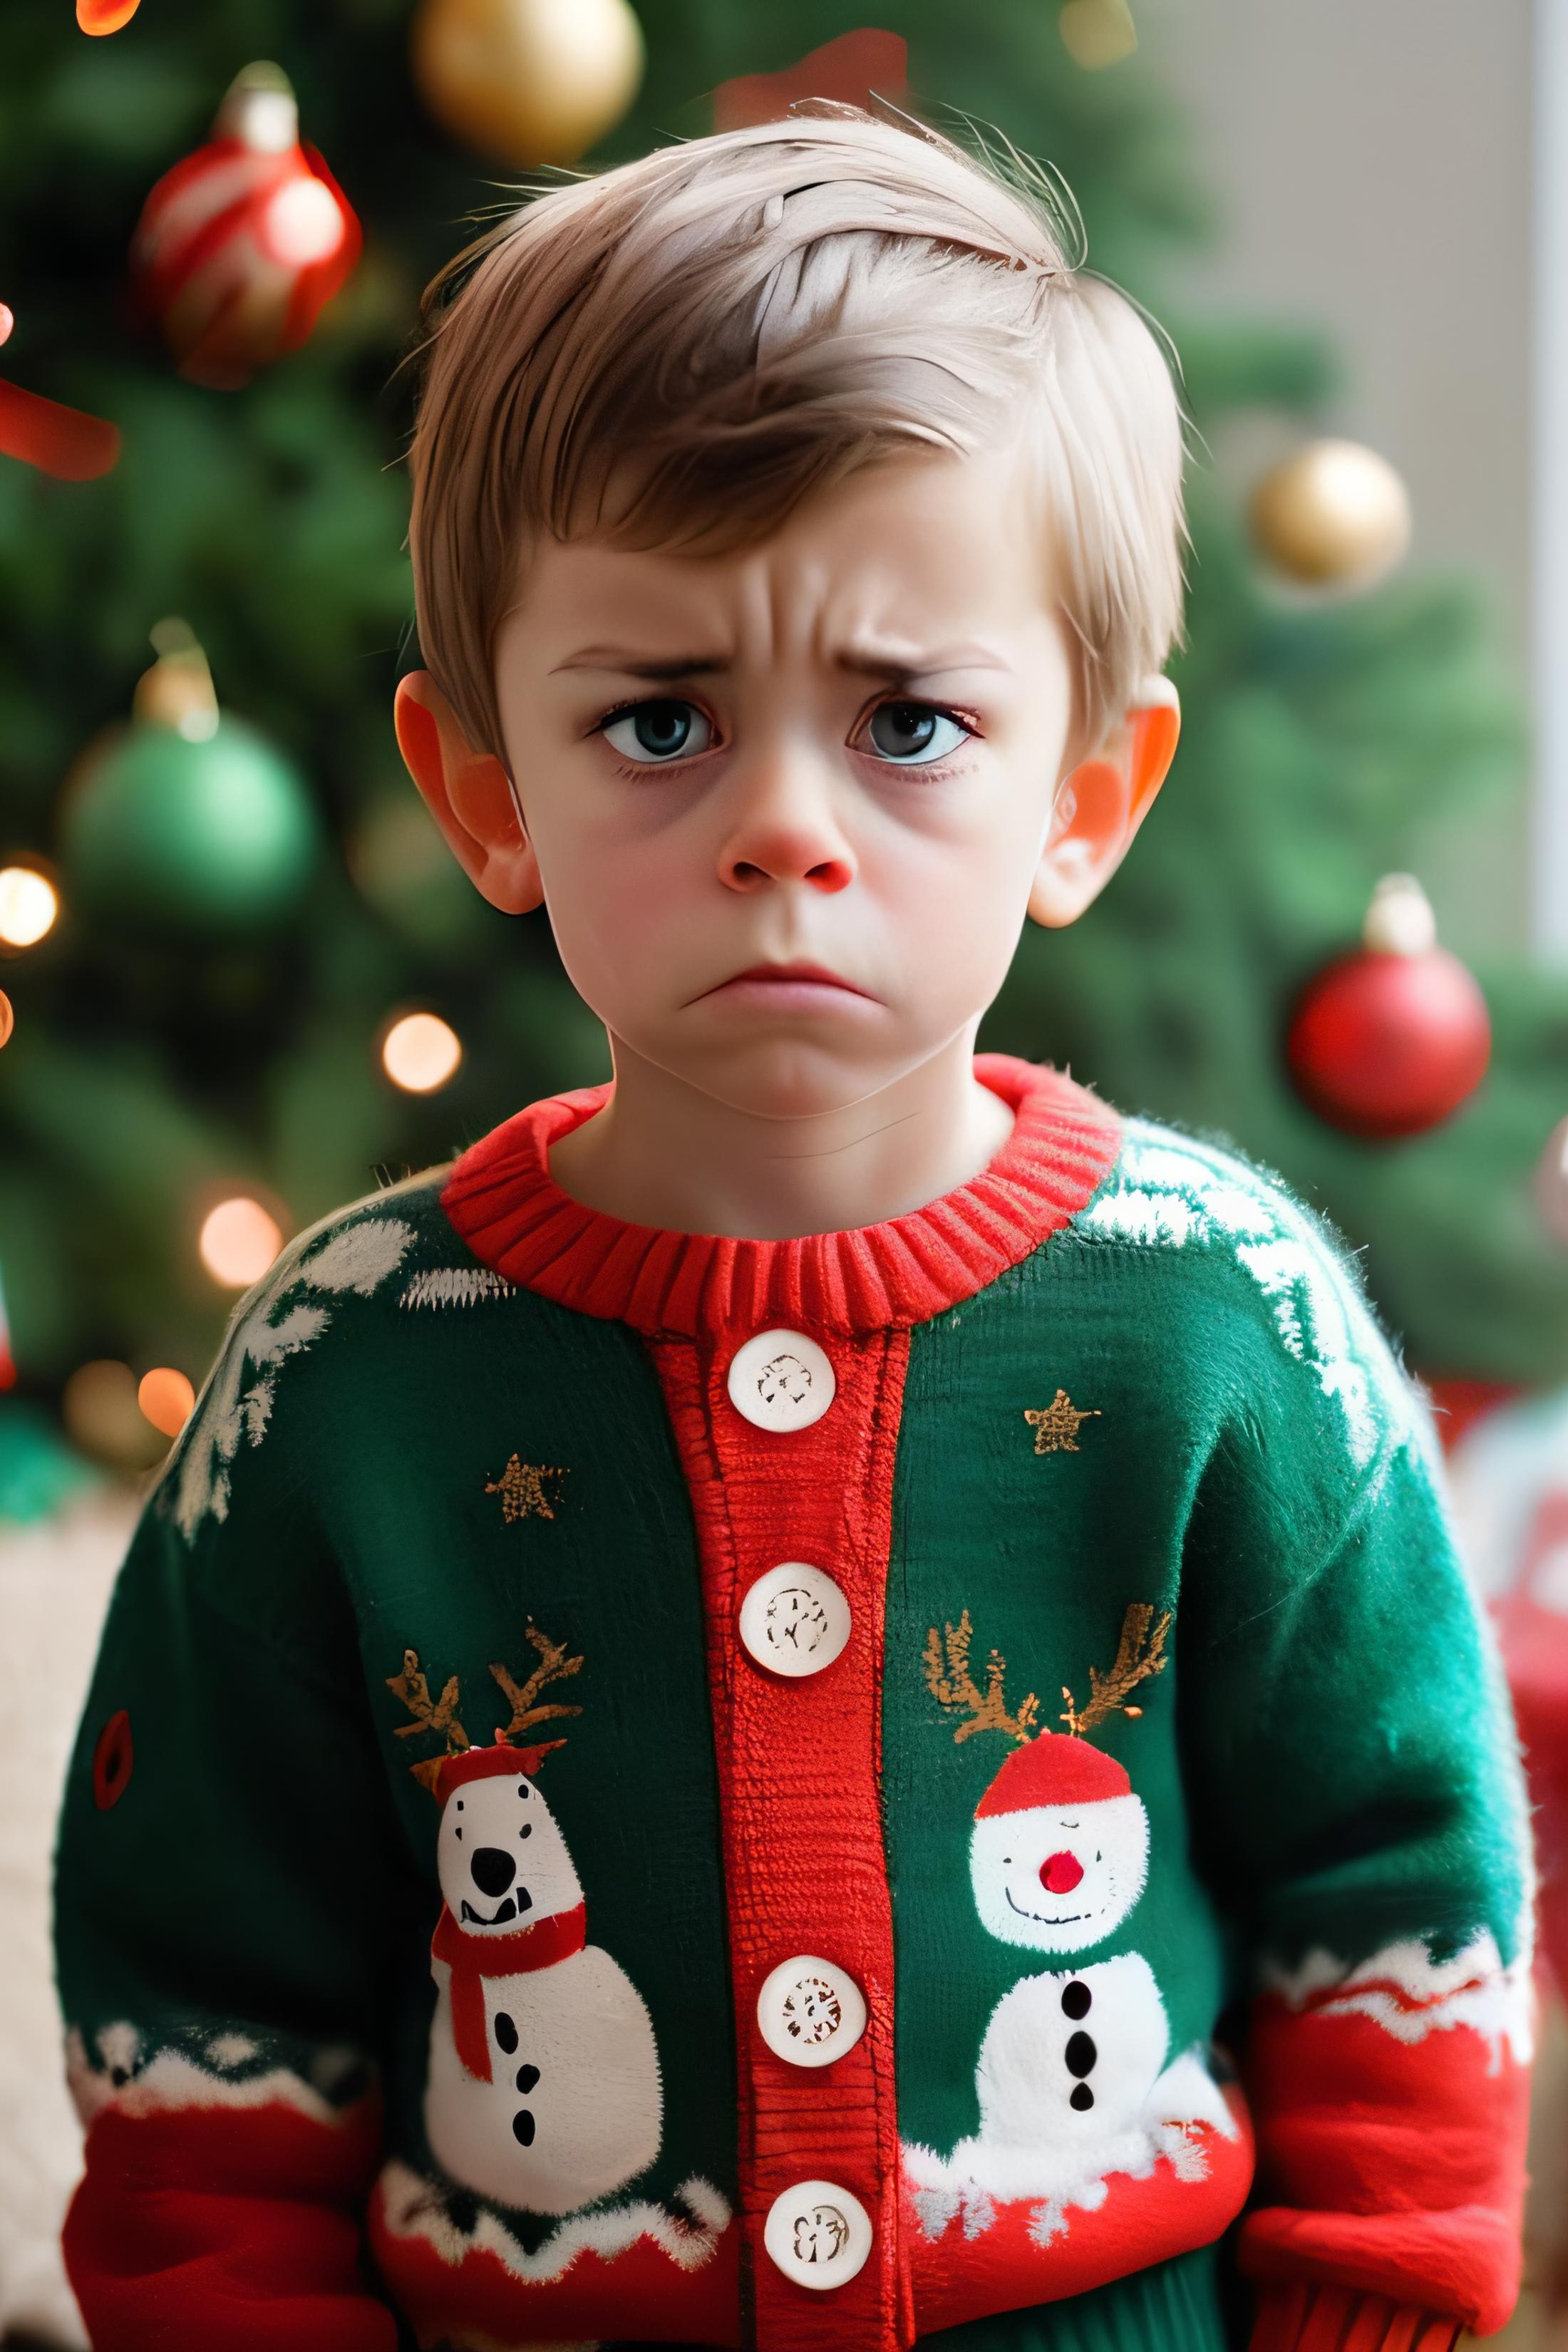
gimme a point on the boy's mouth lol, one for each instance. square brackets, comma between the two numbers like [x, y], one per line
[797, 981]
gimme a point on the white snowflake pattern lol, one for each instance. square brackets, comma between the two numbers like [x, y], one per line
[1168, 1191]
[346, 1253]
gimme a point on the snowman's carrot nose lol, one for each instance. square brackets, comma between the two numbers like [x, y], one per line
[1060, 1873]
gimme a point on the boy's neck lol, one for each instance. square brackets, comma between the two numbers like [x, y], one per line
[662, 1153]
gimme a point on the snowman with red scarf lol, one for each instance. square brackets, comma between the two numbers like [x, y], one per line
[1072, 2080]
[543, 2087]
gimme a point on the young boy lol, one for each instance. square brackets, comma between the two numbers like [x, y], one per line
[648, 1552]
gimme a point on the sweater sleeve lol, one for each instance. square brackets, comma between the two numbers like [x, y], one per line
[1360, 1815]
[222, 1915]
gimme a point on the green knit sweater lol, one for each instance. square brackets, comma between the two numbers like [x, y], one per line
[798, 1794]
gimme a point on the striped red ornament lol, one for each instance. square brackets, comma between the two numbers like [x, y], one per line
[240, 248]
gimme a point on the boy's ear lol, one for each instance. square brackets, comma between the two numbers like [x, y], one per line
[1101, 804]
[469, 794]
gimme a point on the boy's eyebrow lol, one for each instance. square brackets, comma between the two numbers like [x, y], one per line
[630, 665]
[899, 663]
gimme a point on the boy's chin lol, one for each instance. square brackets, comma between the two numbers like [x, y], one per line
[788, 1081]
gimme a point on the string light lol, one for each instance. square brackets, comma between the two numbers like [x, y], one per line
[420, 1053]
[7, 1018]
[239, 1239]
[28, 906]
[165, 1397]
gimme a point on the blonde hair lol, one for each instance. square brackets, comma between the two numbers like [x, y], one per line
[679, 352]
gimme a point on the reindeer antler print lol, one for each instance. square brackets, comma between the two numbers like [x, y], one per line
[1140, 1654]
[554, 1667]
[952, 1684]
[429, 1715]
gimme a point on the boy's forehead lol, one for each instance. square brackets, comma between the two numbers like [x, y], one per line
[905, 559]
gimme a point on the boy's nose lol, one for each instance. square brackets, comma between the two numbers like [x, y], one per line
[784, 831]
[1060, 1873]
[492, 1869]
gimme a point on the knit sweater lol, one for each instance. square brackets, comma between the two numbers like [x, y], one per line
[798, 1794]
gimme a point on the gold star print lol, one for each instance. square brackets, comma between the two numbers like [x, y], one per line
[522, 1489]
[1056, 1424]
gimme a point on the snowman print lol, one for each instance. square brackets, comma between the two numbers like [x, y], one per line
[543, 2090]
[1072, 2081]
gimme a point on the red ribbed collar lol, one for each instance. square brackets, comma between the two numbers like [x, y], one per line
[509, 1209]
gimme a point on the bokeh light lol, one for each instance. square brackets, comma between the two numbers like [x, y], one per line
[302, 222]
[239, 1239]
[103, 1417]
[28, 906]
[165, 1397]
[420, 1053]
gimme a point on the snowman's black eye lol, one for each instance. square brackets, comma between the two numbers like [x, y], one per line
[1006, 1861]
[526, 1831]
[523, 1789]
[459, 1804]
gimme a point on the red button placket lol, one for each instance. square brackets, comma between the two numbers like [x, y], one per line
[799, 1775]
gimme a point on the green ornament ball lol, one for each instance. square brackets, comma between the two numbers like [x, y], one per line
[206, 837]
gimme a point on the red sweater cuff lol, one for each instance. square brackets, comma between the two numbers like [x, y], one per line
[1307, 2318]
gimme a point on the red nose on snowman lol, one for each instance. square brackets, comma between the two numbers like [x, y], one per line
[1060, 1873]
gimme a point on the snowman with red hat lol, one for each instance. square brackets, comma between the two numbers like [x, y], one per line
[543, 2089]
[1073, 2080]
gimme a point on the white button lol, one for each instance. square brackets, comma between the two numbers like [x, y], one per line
[810, 2011]
[818, 2234]
[794, 1620]
[781, 1379]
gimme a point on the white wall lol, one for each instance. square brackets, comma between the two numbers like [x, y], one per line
[1370, 166]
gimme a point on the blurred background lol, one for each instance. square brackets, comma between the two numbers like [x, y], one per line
[241, 983]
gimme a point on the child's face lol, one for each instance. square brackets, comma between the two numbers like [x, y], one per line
[788, 802]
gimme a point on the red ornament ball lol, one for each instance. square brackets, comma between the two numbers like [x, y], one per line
[1390, 1041]
[241, 246]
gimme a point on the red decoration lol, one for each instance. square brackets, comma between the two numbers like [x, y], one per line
[64, 442]
[1390, 1040]
[1053, 1769]
[240, 248]
[105, 15]
[111, 1762]
[7, 1360]
[850, 71]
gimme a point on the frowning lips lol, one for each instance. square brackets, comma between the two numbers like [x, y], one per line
[798, 974]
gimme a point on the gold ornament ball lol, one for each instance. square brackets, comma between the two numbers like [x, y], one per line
[1334, 515]
[528, 83]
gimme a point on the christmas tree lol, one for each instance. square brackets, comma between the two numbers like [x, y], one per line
[204, 1020]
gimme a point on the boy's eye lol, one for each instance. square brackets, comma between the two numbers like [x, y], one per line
[651, 731]
[912, 734]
